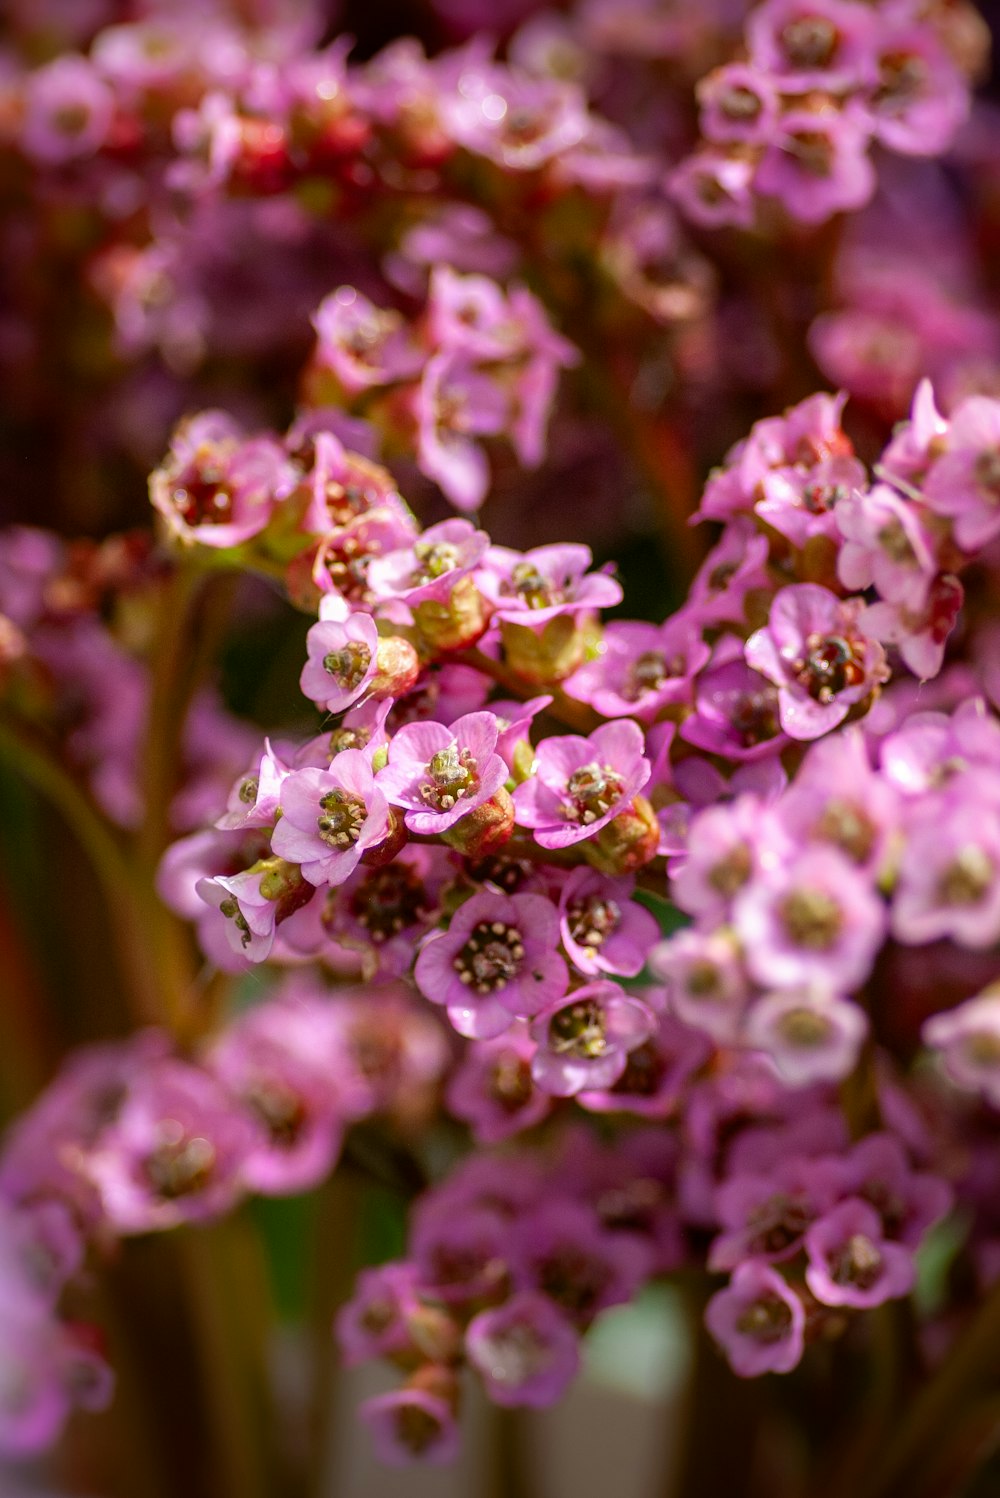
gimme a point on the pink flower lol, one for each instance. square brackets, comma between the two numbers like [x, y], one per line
[411, 1426]
[438, 775]
[810, 1035]
[580, 784]
[810, 919]
[497, 959]
[851, 1264]
[68, 111]
[533, 587]
[217, 487]
[584, 1041]
[758, 1321]
[968, 1040]
[886, 546]
[455, 403]
[374, 1322]
[817, 164]
[342, 656]
[331, 817]
[814, 652]
[430, 567]
[175, 1153]
[525, 1351]
[363, 345]
[641, 668]
[603, 929]
[921, 634]
[949, 876]
[493, 1090]
[964, 482]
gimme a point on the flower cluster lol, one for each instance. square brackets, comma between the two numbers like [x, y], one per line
[822, 82]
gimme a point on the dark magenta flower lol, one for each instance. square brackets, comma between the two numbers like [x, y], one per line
[330, 818]
[603, 929]
[438, 775]
[584, 1041]
[496, 960]
[526, 1352]
[758, 1321]
[580, 784]
[851, 1264]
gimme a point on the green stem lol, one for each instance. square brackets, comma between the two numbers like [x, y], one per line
[971, 1367]
[576, 715]
[128, 917]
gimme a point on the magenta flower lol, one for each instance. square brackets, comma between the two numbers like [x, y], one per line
[520, 123]
[533, 587]
[68, 111]
[580, 784]
[735, 567]
[736, 713]
[837, 798]
[921, 98]
[814, 652]
[907, 1201]
[949, 877]
[584, 1041]
[813, 919]
[331, 817]
[809, 1035]
[254, 799]
[411, 1426]
[493, 1090]
[826, 44]
[497, 959]
[766, 1216]
[363, 345]
[438, 775]
[525, 1351]
[603, 930]
[47, 1368]
[851, 1264]
[456, 402]
[374, 1322]
[562, 1249]
[428, 569]
[964, 482]
[714, 189]
[886, 547]
[641, 668]
[382, 912]
[758, 1321]
[462, 1256]
[343, 656]
[175, 1153]
[250, 914]
[968, 1040]
[655, 1073]
[921, 634]
[725, 847]
[216, 486]
[705, 982]
[278, 1060]
[817, 164]
[738, 103]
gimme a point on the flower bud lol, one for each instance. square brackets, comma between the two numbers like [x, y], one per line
[282, 883]
[453, 625]
[397, 667]
[393, 843]
[627, 842]
[545, 655]
[484, 829]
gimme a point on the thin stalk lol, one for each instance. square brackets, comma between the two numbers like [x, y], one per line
[508, 1457]
[573, 714]
[127, 912]
[972, 1365]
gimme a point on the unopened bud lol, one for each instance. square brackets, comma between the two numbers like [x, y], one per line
[627, 842]
[434, 1335]
[454, 625]
[547, 654]
[397, 667]
[484, 829]
[282, 883]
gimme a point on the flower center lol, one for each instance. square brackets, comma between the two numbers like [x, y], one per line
[510, 1085]
[812, 918]
[248, 790]
[644, 1072]
[832, 664]
[648, 672]
[592, 920]
[517, 1354]
[857, 1263]
[342, 820]
[896, 544]
[231, 910]
[778, 1223]
[593, 791]
[804, 1028]
[202, 496]
[754, 717]
[902, 78]
[389, 900]
[179, 1164]
[728, 876]
[987, 472]
[848, 827]
[982, 1048]
[452, 774]
[572, 1280]
[579, 1030]
[348, 665]
[490, 958]
[767, 1320]
[813, 150]
[810, 42]
[967, 878]
[739, 104]
[279, 1110]
[436, 559]
[416, 1429]
[532, 588]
